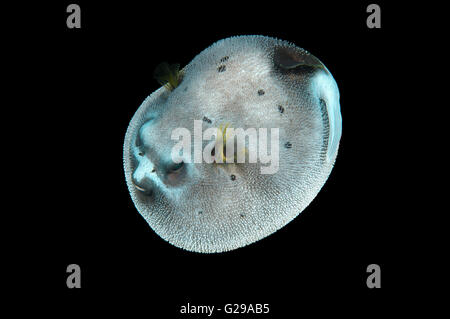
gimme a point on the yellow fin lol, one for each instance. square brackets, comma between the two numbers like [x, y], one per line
[168, 75]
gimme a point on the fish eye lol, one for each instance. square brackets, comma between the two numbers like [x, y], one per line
[176, 167]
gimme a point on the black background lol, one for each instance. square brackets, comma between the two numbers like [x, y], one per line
[92, 80]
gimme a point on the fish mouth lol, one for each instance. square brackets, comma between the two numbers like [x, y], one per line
[140, 188]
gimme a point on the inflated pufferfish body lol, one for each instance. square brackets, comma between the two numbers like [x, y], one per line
[248, 82]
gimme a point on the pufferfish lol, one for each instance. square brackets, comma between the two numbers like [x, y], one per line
[241, 82]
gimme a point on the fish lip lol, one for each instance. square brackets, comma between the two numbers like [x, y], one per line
[140, 188]
[143, 190]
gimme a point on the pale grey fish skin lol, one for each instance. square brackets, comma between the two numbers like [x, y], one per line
[204, 209]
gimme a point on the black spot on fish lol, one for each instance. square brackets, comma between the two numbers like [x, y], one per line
[261, 92]
[242, 215]
[207, 120]
[288, 145]
[281, 109]
[233, 177]
[225, 58]
[221, 68]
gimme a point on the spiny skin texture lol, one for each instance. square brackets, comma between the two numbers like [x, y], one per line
[250, 82]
